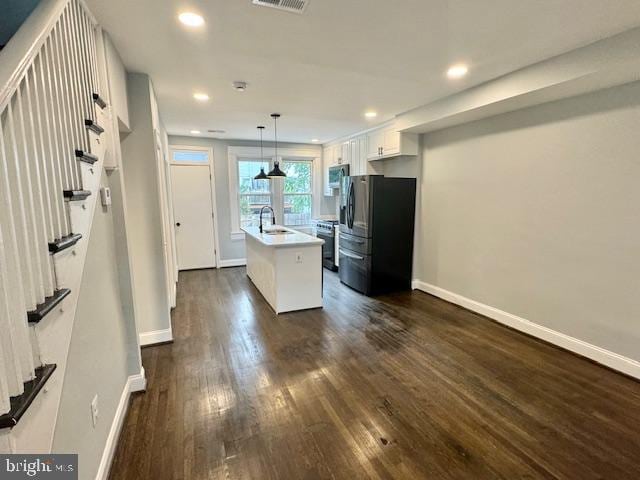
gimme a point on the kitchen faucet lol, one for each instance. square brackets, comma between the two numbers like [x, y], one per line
[273, 216]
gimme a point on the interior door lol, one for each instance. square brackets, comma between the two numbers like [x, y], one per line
[193, 214]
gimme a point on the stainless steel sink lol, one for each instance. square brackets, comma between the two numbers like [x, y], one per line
[277, 231]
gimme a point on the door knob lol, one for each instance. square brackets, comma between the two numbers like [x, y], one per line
[178, 224]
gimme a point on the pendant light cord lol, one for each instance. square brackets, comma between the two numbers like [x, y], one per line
[275, 125]
[261, 150]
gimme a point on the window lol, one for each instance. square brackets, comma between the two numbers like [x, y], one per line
[298, 192]
[190, 156]
[292, 198]
[252, 194]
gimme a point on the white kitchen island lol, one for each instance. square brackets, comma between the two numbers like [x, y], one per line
[286, 267]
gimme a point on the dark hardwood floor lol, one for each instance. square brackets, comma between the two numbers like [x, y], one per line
[401, 386]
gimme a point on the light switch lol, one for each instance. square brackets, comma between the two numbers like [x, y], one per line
[105, 196]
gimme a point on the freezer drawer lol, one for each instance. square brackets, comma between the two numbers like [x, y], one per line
[355, 270]
[355, 244]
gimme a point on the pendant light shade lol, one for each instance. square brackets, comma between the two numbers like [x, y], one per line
[261, 175]
[276, 172]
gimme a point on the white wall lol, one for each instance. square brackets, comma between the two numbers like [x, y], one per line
[231, 249]
[117, 83]
[536, 213]
[144, 216]
[103, 351]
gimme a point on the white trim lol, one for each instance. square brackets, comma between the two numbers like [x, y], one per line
[156, 336]
[138, 383]
[234, 262]
[598, 354]
[135, 383]
[212, 172]
[235, 236]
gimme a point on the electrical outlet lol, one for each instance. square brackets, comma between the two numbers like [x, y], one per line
[298, 257]
[94, 411]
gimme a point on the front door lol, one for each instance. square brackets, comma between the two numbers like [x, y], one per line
[193, 214]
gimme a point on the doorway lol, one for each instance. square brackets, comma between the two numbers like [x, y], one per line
[193, 208]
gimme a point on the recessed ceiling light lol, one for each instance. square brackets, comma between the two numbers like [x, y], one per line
[201, 97]
[195, 132]
[371, 114]
[191, 19]
[315, 140]
[457, 71]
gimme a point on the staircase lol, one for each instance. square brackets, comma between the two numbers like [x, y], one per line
[55, 126]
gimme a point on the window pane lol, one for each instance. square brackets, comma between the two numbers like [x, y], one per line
[190, 156]
[250, 206]
[297, 209]
[247, 169]
[298, 178]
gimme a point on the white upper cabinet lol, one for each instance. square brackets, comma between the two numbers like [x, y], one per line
[375, 143]
[344, 153]
[388, 142]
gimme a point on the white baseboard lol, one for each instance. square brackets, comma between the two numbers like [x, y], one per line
[135, 383]
[605, 357]
[235, 262]
[156, 336]
[138, 383]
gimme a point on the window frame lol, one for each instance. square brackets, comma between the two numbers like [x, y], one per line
[305, 194]
[311, 154]
[269, 193]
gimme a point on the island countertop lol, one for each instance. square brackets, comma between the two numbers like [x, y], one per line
[281, 240]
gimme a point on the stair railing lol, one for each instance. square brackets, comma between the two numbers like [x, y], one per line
[49, 101]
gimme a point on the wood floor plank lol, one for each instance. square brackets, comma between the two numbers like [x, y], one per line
[403, 386]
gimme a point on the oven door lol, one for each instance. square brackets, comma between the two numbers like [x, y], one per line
[328, 250]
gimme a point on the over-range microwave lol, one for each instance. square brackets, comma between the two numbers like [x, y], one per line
[336, 173]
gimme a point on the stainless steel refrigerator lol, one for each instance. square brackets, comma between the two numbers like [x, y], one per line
[377, 216]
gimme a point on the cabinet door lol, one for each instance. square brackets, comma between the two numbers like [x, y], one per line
[391, 142]
[354, 158]
[328, 156]
[327, 161]
[375, 142]
[345, 153]
[362, 155]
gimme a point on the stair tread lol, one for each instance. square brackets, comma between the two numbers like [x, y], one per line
[98, 100]
[86, 157]
[48, 305]
[21, 403]
[93, 126]
[64, 242]
[73, 195]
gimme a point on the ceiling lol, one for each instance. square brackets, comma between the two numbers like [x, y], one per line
[322, 70]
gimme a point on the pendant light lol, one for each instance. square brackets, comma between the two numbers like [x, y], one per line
[261, 175]
[276, 172]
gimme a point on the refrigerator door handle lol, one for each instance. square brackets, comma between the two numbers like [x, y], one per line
[351, 208]
[351, 255]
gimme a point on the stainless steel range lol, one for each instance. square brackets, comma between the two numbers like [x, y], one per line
[326, 231]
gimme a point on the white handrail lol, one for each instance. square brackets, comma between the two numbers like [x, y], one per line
[18, 55]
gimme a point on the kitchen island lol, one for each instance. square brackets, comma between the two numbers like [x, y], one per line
[285, 266]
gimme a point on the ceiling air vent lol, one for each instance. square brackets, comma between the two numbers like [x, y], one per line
[295, 6]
